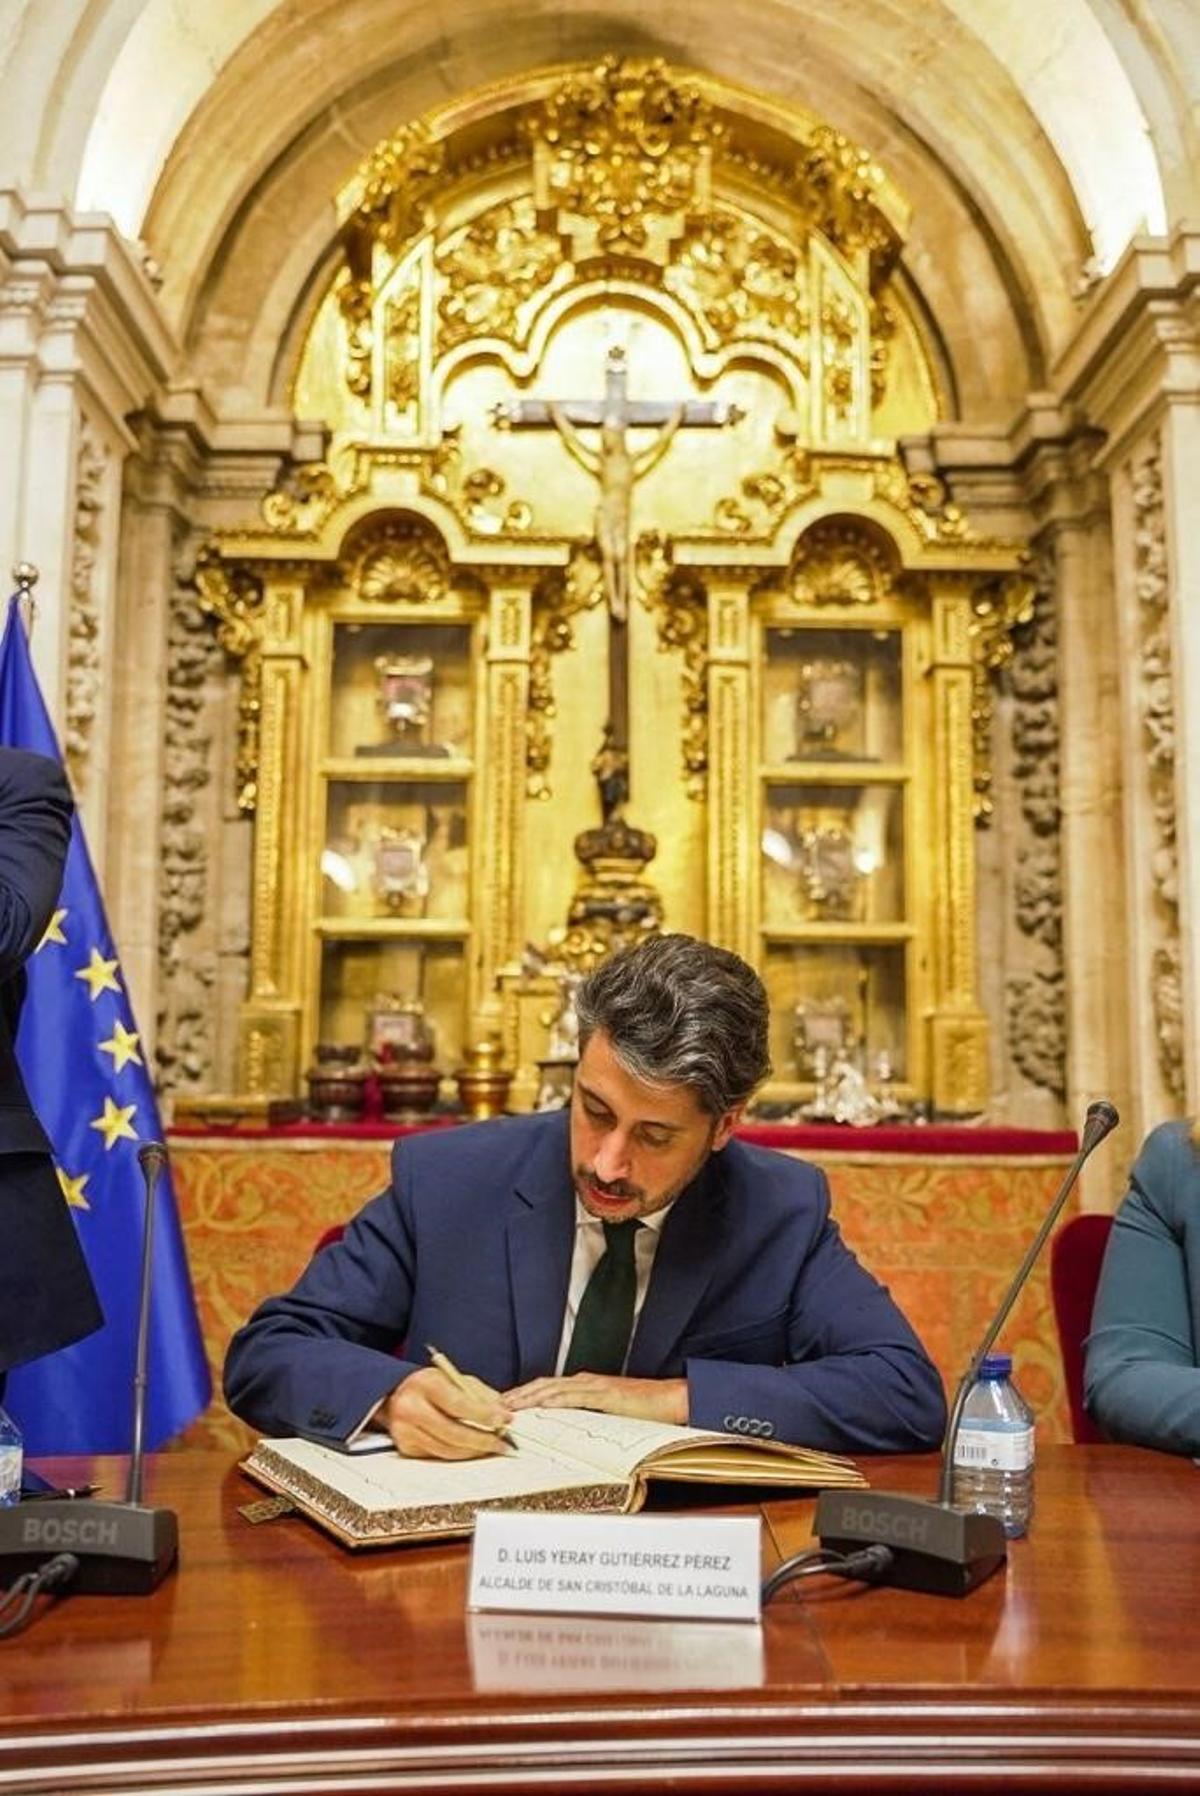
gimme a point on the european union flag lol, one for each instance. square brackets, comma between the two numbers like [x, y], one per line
[82, 1060]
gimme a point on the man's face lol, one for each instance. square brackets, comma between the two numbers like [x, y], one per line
[634, 1147]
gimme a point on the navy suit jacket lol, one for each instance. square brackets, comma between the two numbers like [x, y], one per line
[753, 1297]
[46, 1295]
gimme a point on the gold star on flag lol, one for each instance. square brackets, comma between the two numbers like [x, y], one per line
[115, 1123]
[122, 1044]
[53, 931]
[72, 1189]
[99, 975]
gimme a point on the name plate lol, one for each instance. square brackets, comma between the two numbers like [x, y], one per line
[704, 1567]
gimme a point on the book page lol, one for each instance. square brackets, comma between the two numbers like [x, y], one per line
[374, 1483]
[612, 1445]
[620, 1446]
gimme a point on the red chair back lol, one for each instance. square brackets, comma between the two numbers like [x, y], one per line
[1076, 1254]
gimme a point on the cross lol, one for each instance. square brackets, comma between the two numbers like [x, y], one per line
[617, 469]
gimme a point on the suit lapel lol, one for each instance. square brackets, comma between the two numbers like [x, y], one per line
[541, 1236]
[688, 1254]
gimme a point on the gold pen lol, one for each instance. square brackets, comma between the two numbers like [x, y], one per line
[451, 1371]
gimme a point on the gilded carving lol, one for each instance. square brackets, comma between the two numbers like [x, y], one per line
[556, 600]
[623, 149]
[490, 270]
[883, 335]
[770, 492]
[842, 185]
[402, 563]
[839, 341]
[356, 303]
[83, 617]
[742, 282]
[402, 336]
[839, 564]
[679, 604]
[308, 494]
[471, 493]
[232, 598]
[997, 608]
[389, 204]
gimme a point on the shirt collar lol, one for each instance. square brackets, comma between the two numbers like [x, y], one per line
[584, 1218]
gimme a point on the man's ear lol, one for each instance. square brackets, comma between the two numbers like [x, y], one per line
[725, 1127]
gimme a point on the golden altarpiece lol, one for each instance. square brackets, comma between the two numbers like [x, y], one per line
[612, 603]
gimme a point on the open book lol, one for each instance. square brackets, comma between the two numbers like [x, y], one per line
[566, 1459]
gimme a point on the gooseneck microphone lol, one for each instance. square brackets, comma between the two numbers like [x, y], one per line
[123, 1548]
[934, 1547]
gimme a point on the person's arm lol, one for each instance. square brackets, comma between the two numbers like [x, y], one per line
[322, 1359]
[35, 831]
[1141, 1380]
[854, 1378]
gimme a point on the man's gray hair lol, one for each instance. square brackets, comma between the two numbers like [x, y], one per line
[678, 1011]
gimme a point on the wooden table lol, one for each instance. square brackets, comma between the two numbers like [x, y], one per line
[275, 1660]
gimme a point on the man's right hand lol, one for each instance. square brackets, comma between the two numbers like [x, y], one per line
[426, 1417]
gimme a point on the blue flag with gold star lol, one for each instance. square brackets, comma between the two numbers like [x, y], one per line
[84, 1065]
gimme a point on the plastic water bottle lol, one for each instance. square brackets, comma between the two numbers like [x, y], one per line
[12, 1455]
[993, 1455]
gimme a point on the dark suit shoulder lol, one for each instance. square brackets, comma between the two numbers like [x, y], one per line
[496, 1151]
[33, 772]
[772, 1178]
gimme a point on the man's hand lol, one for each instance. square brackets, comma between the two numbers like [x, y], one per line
[428, 1415]
[654, 1399]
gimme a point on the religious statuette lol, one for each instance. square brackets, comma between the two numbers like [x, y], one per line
[828, 710]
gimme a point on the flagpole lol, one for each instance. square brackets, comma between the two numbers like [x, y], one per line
[26, 577]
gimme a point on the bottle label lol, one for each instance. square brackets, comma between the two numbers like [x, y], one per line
[994, 1449]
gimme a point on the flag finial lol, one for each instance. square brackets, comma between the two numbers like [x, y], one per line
[26, 577]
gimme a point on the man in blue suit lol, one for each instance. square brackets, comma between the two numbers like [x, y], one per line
[628, 1256]
[47, 1299]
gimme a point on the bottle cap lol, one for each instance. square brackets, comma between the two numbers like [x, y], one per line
[996, 1365]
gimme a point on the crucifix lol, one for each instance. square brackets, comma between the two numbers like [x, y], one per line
[616, 468]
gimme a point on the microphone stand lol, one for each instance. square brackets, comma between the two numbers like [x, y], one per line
[933, 1546]
[122, 1548]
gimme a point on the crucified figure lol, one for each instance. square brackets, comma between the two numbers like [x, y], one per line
[616, 468]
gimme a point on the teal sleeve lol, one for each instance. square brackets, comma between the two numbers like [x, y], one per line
[1141, 1379]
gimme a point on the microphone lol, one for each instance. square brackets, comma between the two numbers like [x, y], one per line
[935, 1547]
[123, 1548]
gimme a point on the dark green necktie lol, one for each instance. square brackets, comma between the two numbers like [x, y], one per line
[604, 1320]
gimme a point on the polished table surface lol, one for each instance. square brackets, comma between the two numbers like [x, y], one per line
[274, 1660]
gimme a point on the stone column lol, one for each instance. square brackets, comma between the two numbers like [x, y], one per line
[1134, 371]
[1070, 505]
[83, 346]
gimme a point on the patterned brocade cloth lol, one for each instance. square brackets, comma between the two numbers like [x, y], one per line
[945, 1232]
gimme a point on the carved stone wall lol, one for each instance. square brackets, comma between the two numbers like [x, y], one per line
[1156, 710]
[84, 676]
[187, 969]
[1035, 995]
